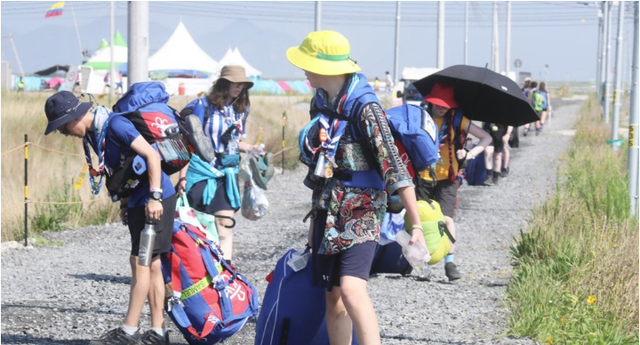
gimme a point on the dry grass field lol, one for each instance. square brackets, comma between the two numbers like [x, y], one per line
[56, 162]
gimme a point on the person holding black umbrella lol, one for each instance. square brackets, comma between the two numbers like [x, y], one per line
[444, 111]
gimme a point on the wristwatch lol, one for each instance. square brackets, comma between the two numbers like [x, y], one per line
[155, 194]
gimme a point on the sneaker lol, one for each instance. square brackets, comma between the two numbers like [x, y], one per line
[197, 139]
[262, 169]
[488, 182]
[451, 271]
[150, 337]
[117, 336]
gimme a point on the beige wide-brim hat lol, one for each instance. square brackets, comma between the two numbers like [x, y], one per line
[235, 74]
[324, 53]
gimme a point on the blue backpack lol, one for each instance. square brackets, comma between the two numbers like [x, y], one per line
[543, 94]
[416, 131]
[293, 309]
[145, 105]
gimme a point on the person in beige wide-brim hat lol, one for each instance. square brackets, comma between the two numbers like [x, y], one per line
[343, 237]
[223, 114]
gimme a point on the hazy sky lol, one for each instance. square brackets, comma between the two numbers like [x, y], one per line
[562, 35]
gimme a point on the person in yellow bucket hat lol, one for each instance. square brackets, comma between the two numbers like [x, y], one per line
[349, 149]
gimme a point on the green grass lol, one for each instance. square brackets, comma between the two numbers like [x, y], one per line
[576, 275]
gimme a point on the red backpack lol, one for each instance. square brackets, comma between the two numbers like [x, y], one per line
[208, 300]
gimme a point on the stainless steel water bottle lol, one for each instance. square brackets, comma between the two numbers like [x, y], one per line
[147, 243]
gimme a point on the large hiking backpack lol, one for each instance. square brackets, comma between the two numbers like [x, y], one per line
[544, 96]
[536, 101]
[208, 299]
[145, 105]
[415, 130]
[293, 309]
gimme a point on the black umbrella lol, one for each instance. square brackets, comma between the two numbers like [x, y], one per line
[483, 95]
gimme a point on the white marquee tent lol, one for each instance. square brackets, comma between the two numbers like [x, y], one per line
[233, 57]
[181, 52]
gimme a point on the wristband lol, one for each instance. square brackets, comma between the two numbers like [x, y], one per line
[416, 226]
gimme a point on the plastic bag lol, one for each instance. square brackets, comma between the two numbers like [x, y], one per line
[391, 225]
[254, 199]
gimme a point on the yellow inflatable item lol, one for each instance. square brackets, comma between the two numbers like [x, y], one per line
[434, 235]
[429, 212]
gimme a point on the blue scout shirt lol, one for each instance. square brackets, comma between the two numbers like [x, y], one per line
[120, 134]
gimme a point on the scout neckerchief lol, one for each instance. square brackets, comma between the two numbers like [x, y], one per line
[97, 140]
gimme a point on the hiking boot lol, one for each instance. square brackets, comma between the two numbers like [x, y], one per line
[197, 138]
[504, 173]
[488, 182]
[495, 178]
[117, 336]
[451, 271]
[150, 337]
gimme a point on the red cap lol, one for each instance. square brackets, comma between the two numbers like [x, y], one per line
[442, 95]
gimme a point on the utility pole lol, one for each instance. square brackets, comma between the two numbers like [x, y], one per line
[440, 50]
[112, 67]
[75, 24]
[507, 53]
[607, 63]
[396, 55]
[138, 58]
[318, 12]
[466, 31]
[599, 51]
[15, 52]
[617, 81]
[632, 153]
[496, 63]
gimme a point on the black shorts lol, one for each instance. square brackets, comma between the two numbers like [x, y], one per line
[220, 201]
[497, 143]
[164, 228]
[328, 269]
[445, 193]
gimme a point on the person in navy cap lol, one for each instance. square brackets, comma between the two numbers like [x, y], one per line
[111, 138]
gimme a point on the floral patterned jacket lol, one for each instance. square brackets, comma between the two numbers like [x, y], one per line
[355, 214]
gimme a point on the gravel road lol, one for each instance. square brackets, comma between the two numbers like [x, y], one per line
[72, 292]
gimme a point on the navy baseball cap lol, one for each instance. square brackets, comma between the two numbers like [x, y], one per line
[63, 107]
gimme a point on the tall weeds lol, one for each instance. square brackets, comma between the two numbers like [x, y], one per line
[576, 280]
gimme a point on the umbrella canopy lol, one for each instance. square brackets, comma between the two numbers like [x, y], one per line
[483, 95]
[53, 69]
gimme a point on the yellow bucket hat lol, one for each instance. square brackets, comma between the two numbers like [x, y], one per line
[324, 53]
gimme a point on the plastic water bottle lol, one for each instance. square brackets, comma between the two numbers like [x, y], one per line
[147, 243]
[417, 254]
